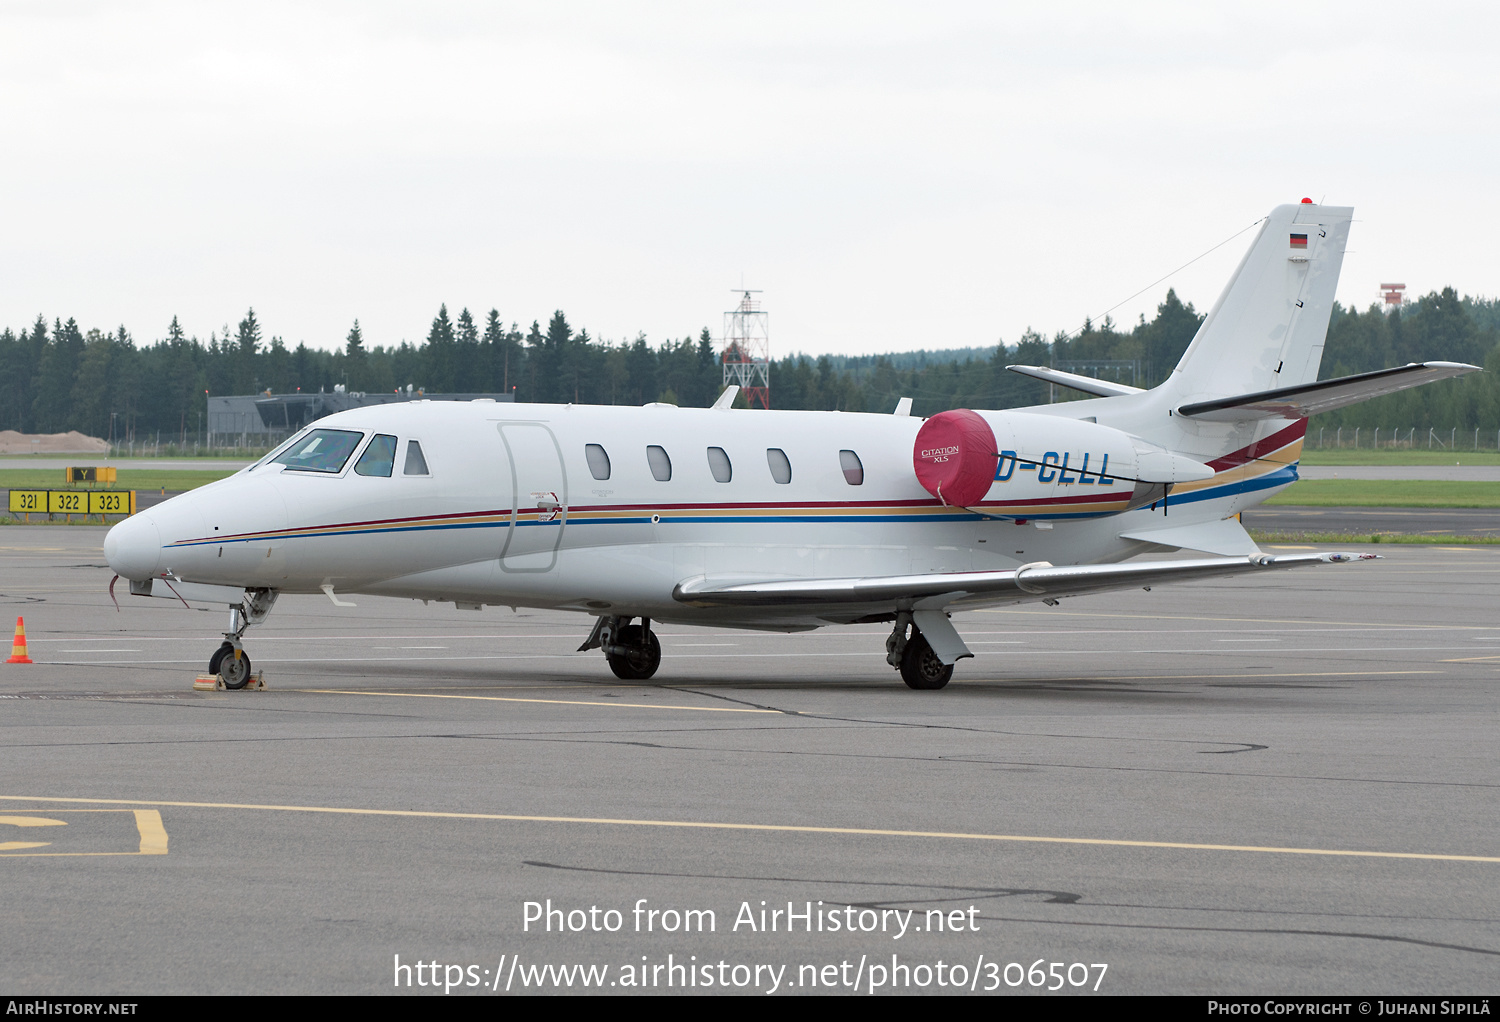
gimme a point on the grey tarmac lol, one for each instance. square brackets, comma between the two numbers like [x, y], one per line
[1417, 521]
[1280, 784]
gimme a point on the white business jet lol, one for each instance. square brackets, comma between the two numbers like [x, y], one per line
[785, 520]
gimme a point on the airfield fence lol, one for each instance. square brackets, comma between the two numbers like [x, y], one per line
[241, 451]
[1403, 438]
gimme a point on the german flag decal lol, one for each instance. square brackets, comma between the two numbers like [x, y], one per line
[1299, 241]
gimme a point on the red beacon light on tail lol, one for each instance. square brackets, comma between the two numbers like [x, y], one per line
[955, 457]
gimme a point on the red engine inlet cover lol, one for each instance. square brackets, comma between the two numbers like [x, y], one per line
[955, 457]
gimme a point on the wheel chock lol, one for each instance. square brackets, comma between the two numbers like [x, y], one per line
[215, 683]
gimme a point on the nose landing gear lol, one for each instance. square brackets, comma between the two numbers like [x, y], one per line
[230, 661]
[632, 651]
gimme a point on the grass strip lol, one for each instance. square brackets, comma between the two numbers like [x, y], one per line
[129, 479]
[1352, 456]
[1389, 493]
[1405, 538]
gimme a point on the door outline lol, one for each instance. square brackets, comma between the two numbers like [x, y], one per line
[561, 517]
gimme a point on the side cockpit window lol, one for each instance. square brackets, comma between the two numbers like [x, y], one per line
[598, 459]
[416, 465]
[322, 450]
[379, 458]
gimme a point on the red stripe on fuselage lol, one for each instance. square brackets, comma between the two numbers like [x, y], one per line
[730, 506]
[1276, 441]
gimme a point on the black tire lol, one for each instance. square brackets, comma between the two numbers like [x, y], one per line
[642, 660]
[234, 670]
[920, 667]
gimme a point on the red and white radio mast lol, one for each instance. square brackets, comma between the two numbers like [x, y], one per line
[1394, 295]
[746, 354]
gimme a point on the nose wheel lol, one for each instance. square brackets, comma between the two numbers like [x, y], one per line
[234, 669]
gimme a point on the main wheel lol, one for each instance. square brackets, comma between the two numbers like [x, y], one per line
[642, 660]
[920, 666]
[234, 670]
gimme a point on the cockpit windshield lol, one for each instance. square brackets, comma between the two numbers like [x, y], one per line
[276, 451]
[322, 450]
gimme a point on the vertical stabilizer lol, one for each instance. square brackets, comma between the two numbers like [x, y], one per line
[1267, 329]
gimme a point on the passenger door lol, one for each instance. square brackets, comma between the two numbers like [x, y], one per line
[539, 497]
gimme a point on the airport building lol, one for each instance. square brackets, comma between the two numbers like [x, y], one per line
[249, 419]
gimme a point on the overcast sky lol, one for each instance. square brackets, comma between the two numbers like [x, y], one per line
[892, 175]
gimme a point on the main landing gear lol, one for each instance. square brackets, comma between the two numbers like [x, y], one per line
[909, 651]
[632, 651]
[230, 661]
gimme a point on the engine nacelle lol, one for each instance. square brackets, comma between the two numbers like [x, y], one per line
[1024, 465]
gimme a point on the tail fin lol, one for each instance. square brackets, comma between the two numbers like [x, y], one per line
[1266, 331]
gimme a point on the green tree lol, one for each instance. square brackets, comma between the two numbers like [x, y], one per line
[440, 353]
[466, 367]
[356, 359]
[247, 346]
[56, 373]
[90, 401]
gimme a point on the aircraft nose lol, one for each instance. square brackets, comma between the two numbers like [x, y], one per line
[133, 547]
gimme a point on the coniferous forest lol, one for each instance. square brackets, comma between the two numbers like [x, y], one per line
[56, 376]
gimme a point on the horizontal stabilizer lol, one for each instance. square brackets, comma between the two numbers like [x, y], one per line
[1309, 398]
[1227, 537]
[1028, 583]
[1087, 384]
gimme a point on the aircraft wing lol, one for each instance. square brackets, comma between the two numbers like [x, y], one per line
[954, 590]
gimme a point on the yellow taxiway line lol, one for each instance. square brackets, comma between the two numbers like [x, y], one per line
[516, 699]
[147, 823]
[767, 827]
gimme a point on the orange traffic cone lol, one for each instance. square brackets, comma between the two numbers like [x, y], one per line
[18, 648]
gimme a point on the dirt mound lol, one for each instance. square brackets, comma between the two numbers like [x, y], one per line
[71, 442]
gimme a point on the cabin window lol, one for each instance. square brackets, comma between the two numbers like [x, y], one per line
[718, 464]
[322, 450]
[854, 471]
[598, 459]
[781, 467]
[661, 465]
[416, 465]
[379, 458]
